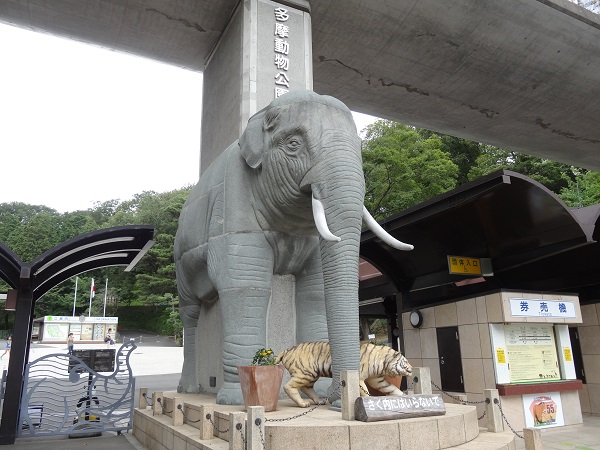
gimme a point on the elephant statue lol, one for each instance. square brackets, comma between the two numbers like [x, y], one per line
[286, 199]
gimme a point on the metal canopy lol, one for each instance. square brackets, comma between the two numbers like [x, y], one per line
[108, 247]
[531, 237]
[118, 246]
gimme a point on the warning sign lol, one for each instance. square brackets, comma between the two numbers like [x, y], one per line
[462, 265]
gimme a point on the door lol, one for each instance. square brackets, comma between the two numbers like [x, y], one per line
[577, 358]
[450, 361]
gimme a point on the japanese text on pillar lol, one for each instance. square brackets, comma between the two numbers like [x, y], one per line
[282, 51]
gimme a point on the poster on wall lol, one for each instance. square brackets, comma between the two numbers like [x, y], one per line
[531, 351]
[56, 332]
[543, 410]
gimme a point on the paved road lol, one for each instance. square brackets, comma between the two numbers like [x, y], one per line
[154, 362]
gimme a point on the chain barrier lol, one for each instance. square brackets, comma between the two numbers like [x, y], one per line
[159, 400]
[209, 417]
[239, 426]
[483, 415]
[148, 401]
[506, 420]
[257, 422]
[458, 399]
[180, 407]
[308, 411]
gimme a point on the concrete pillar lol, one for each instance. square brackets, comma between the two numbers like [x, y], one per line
[533, 439]
[237, 431]
[255, 427]
[143, 404]
[350, 392]
[177, 413]
[249, 68]
[421, 380]
[156, 405]
[492, 411]
[265, 46]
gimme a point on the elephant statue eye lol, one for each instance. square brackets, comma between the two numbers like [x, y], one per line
[293, 143]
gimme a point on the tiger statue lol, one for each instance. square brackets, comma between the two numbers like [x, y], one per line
[309, 361]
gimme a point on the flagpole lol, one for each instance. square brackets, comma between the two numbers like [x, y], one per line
[75, 296]
[91, 297]
[105, 293]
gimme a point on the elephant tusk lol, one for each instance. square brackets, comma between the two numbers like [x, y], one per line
[321, 221]
[382, 234]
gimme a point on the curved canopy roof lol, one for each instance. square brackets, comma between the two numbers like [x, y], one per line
[117, 246]
[531, 238]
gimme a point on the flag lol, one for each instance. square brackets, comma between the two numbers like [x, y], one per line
[92, 289]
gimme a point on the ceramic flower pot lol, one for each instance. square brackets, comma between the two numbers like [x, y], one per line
[261, 385]
[396, 381]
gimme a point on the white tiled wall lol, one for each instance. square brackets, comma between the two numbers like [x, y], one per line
[589, 338]
[472, 317]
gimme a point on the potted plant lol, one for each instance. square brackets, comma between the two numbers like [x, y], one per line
[261, 381]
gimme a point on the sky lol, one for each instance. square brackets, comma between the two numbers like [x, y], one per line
[81, 124]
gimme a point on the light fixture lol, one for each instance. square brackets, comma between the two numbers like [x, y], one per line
[416, 318]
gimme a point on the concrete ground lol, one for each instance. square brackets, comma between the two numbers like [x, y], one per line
[156, 364]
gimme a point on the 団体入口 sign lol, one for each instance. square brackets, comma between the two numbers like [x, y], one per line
[529, 307]
[463, 265]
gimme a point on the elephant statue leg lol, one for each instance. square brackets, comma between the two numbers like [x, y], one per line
[311, 322]
[189, 316]
[244, 293]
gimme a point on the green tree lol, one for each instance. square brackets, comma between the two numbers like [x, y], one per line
[583, 191]
[554, 175]
[402, 168]
[464, 153]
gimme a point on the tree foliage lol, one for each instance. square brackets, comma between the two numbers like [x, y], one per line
[583, 191]
[402, 168]
[554, 175]
[30, 230]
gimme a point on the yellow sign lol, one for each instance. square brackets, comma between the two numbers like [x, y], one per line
[462, 265]
[500, 356]
[568, 356]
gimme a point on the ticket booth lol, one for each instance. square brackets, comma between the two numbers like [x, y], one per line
[534, 360]
[84, 329]
[514, 341]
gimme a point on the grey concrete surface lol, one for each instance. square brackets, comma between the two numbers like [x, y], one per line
[521, 74]
[153, 368]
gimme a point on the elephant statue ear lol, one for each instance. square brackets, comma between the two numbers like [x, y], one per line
[257, 135]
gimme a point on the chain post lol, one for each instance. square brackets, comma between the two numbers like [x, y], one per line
[156, 403]
[494, 421]
[206, 426]
[421, 380]
[506, 420]
[533, 439]
[163, 402]
[255, 427]
[237, 430]
[177, 415]
[350, 392]
[143, 404]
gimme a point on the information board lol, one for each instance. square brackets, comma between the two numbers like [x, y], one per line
[99, 360]
[531, 351]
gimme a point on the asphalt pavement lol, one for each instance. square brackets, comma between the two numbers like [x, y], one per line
[156, 364]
